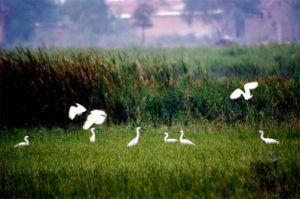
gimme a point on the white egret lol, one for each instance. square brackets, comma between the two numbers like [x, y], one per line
[166, 138]
[136, 139]
[76, 110]
[184, 141]
[95, 117]
[238, 92]
[93, 137]
[267, 140]
[26, 143]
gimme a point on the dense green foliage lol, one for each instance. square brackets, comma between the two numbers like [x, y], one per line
[226, 162]
[150, 85]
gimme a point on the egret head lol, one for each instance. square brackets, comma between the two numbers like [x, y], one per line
[181, 131]
[92, 129]
[138, 128]
[260, 132]
[26, 137]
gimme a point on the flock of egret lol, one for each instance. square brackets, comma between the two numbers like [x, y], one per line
[98, 117]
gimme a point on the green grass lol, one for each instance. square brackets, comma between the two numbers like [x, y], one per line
[227, 161]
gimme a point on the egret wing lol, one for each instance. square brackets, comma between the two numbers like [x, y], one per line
[21, 144]
[131, 143]
[271, 141]
[250, 85]
[171, 140]
[236, 94]
[87, 124]
[100, 120]
[72, 112]
[89, 121]
[81, 108]
[99, 116]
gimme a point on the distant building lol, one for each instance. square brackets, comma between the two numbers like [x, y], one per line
[275, 24]
[167, 19]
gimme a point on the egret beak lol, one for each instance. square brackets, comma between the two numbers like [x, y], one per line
[161, 134]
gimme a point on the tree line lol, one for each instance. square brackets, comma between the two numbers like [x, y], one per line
[21, 20]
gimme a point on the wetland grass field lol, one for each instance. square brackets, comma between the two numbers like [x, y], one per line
[160, 90]
[226, 162]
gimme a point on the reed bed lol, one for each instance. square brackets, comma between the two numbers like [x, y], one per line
[158, 86]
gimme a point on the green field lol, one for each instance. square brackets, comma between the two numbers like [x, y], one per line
[161, 90]
[226, 162]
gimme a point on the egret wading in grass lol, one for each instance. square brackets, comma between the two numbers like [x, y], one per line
[185, 141]
[136, 139]
[95, 117]
[76, 110]
[267, 140]
[93, 137]
[166, 138]
[26, 143]
[238, 92]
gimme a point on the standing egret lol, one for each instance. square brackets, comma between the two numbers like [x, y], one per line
[95, 117]
[238, 92]
[136, 139]
[166, 138]
[267, 140]
[76, 110]
[93, 137]
[184, 141]
[26, 143]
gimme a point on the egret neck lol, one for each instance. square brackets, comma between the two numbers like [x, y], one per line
[26, 140]
[137, 133]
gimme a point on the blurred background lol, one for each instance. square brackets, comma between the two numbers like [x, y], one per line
[119, 23]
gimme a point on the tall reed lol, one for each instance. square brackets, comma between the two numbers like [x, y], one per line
[149, 85]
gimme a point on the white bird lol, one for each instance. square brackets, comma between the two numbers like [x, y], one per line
[184, 141]
[93, 137]
[238, 92]
[166, 138]
[26, 143]
[267, 140]
[136, 139]
[76, 110]
[95, 117]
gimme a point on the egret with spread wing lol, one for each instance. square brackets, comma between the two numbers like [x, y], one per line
[76, 110]
[95, 117]
[238, 92]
